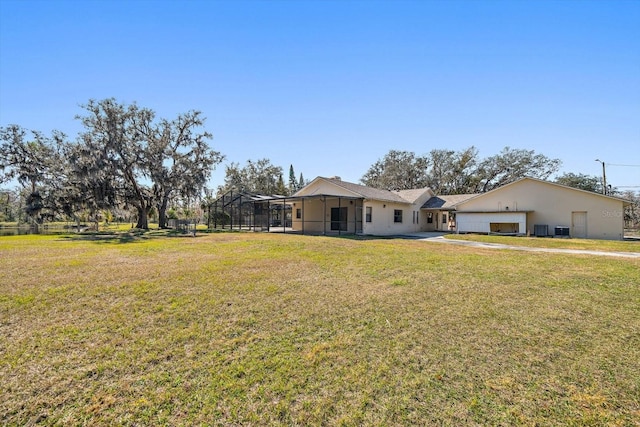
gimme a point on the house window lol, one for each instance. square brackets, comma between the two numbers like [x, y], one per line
[444, 218]
[430, 217]
[397, 215]
[298, 213]
[368, 214]
[417, 217]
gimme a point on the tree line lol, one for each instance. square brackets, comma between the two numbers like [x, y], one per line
[464, 172]
[457, 172]
[127, 159]
[260, 177]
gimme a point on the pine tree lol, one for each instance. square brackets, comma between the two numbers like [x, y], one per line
[302, 182]
[293, 185]
[281, 190]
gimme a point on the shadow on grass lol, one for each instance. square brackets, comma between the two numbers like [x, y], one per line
[133, 236]
[136, 235]
[364, 237]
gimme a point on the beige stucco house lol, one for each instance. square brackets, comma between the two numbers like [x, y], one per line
[535, 207]
[333, 206]
[527, 207]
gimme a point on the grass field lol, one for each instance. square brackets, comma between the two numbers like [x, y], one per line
[556, 243]
[263, 329]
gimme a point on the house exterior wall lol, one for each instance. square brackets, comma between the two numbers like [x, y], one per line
[316, 212]
[318, 220]
[382, 220]
[317, 217]
[436, 224]
[552, 205]
[312, 212]
[421, 215]
[424, 219]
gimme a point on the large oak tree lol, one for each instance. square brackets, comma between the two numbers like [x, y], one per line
[256, 177]
[36, 163]
[397, 170]
[141, 161]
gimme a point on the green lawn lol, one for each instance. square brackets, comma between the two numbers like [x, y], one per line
[263, 329]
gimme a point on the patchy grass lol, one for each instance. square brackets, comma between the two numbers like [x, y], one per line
[546, 242]
[263, 329]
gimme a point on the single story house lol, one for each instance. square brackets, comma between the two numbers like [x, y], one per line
[333, 206]
[528, 206]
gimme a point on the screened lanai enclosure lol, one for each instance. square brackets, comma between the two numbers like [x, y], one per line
[317, 214]
[252, 212]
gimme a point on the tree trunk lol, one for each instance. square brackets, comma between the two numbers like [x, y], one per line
[162, 212]
[143, 218]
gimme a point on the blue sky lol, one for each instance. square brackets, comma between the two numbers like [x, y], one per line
[332, 86]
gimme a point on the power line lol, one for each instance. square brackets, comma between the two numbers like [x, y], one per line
[629, 166]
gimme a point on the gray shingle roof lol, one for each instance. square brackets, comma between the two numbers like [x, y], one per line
[446, 202]
[412, 195]
[368, 192]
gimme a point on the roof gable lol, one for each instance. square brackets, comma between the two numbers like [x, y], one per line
[536, 180]
[337, 187]
[325, 186]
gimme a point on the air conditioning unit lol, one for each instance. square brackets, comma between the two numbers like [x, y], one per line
[541, 230]
[562, 231]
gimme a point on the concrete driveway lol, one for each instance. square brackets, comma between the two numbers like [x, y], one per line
[438, 237]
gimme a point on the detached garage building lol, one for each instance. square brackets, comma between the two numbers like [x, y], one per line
[539, 208]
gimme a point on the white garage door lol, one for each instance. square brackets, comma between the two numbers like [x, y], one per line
[480, 222]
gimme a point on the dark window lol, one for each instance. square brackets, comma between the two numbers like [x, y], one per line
[368, 214]
[397, 215]
[430, 217]
[298, 213]
[339, 219]
[444, 218]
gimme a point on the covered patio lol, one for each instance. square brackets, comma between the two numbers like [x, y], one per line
[314, 214]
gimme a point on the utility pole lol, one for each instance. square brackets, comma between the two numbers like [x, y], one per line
[604, 177]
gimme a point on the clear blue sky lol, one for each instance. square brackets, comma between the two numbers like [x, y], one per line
[332, 86]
